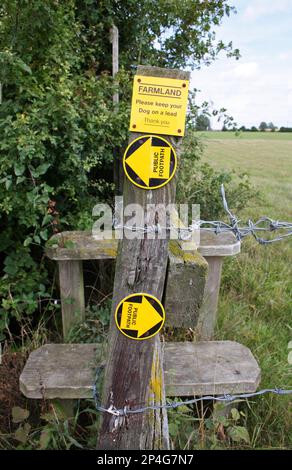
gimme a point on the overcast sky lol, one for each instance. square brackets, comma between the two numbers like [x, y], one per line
[258, 87]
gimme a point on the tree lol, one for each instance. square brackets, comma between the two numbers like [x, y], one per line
[203, 123]
[166, 33]
[253, 129]
[58, 131]
[263, 126]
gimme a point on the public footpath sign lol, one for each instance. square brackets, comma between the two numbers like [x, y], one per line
[159, 105]
[140, 316]
[150, 162]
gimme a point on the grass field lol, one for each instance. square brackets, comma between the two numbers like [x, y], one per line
[256, 296]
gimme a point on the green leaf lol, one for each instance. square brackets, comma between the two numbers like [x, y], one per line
[44, 234]
[239, 434]
[19, 169]
[24, 67]
[20, 179]
[37, 239]
[173, 428]
[27, 241]
[235, 414]
[41, 169]
[21, 434]
[8, 183]
[10, 269]
[19, 414]
[46, 219]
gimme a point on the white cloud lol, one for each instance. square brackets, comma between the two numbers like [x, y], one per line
[252, 92]
[246, 70]
[258, 8]
[259, 86]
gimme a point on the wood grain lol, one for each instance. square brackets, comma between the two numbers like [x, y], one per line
[131, 366]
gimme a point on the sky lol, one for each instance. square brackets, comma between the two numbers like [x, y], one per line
[257, 87]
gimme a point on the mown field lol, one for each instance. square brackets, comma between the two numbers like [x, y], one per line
[256, 295]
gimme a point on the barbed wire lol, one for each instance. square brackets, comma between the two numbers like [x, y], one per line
[227, 398]
[263, 224]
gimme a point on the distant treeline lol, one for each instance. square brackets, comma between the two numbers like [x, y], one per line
[255, 129]
[203, 123]
[285, 129]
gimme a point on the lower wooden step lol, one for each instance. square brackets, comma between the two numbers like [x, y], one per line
[206, 368]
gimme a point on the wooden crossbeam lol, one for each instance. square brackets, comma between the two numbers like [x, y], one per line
[67, 371]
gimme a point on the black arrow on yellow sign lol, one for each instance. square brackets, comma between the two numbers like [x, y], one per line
[150, 162]
[140, 316]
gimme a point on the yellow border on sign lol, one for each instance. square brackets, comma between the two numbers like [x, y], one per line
[132, 295]
[153, 187]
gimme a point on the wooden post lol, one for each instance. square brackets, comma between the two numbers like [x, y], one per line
[118, 173]
[185, 286]
[72, 294]
[134, 374]
[208, 311]
[114, 32]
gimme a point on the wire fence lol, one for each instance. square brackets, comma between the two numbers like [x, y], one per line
[226, 398]
[263, 224]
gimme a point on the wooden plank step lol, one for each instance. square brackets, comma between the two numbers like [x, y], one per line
[81, 245]
[209, 367]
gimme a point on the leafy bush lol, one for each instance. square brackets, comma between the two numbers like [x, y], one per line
[59, 130]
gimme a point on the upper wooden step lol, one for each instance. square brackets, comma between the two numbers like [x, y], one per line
[204, 368]
[78, 245]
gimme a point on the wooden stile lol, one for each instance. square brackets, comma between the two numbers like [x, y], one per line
[140, 373]
[77, 246]
[134, 374]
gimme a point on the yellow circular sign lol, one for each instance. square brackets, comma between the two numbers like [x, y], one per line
[150, 162]
[140, 316]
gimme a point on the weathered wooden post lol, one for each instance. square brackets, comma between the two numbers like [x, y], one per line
[72, 294]
[114, 38]
[134, 375]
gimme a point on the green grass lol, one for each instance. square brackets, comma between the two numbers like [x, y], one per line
[267, 162]
[255, 306]
[256, 297]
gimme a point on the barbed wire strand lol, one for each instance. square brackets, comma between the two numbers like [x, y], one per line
[229, 398]
[263, 224]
